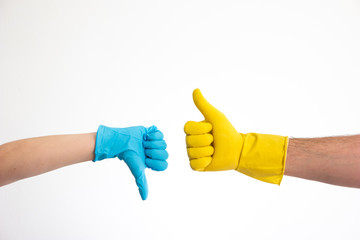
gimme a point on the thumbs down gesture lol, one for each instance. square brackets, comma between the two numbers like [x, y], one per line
[139, 147]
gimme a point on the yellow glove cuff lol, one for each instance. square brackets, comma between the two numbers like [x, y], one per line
[263, 157]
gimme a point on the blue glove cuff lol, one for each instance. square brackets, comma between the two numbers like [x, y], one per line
[99, 154]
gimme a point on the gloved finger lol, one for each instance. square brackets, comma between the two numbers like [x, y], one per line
[201, 140]
[160, 144]
[137, 167]
[153, 136]
[207, 110]
[192, 127]
[157, 154]
[200, 152]
[141, 182]
[200, 164]
[157, 165]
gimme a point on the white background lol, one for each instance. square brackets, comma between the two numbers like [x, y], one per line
[281, 67]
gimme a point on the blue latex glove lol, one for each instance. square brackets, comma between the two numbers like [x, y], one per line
[139, 147]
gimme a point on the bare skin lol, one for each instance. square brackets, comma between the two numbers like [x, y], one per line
[30, 157]
[333, 160]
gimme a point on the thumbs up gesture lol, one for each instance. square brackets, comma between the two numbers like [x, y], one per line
[215, 145]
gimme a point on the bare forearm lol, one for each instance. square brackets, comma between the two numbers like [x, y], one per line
[334, 160]
[34, 156]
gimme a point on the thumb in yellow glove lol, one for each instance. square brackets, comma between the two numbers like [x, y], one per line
[215, 145]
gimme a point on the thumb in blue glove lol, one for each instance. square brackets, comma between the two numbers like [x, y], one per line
[139, 147]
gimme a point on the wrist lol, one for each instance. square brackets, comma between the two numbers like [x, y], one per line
[263, 157]
[99, 152]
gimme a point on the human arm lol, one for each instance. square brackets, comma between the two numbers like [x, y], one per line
[215, 145]
[139, 147]
[333, 160]
[30, 157]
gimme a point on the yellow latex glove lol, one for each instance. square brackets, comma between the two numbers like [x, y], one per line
[215, 145]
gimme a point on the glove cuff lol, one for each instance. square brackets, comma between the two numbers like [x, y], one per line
[99, 154]
[263, 157]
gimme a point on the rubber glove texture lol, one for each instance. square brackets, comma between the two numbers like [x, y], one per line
[139, 147]
[215, 145]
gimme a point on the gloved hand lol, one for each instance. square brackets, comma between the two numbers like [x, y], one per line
[139, 147]
[215, 145]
